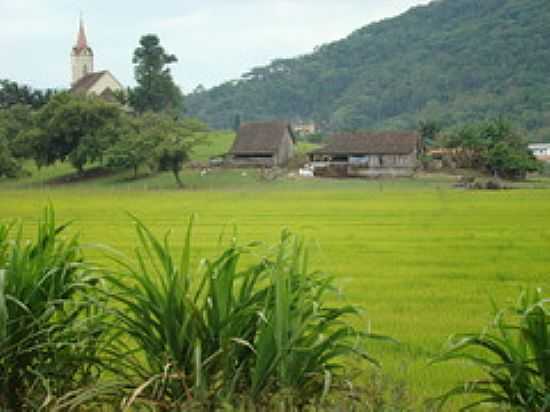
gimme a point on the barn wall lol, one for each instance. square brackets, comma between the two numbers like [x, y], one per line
[237, 161]
[380, 172]
[286, 150]
[392, 161]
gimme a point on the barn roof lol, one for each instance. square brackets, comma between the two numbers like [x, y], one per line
[370, 143]
[87, 82]
[261, 137]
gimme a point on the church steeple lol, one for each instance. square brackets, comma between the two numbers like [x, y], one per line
[82, 56]
[82, 42]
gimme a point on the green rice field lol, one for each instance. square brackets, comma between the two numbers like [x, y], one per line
[423, 258]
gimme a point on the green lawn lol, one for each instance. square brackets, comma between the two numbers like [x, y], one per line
[421, 257]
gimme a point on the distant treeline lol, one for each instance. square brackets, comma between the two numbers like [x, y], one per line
[451, 62]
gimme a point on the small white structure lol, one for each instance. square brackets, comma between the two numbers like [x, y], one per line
[540, 150]
[307, 171]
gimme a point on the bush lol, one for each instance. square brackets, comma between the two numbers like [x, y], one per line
[514, 357]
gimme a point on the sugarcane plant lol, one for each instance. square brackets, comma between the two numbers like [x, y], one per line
[514, 357]
[222, 333]
[49, 318]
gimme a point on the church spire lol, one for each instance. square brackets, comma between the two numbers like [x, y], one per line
[82, 42]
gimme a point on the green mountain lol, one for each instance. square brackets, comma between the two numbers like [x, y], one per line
[451, 61]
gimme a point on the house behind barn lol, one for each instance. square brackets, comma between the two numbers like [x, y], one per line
[541, 151]
[262, 144]
[367, 155]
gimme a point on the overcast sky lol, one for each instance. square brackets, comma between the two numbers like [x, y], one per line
[214, 40]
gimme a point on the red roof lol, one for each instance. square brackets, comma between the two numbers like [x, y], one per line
[82, 41]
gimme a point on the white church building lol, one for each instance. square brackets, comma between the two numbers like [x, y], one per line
[84, 79]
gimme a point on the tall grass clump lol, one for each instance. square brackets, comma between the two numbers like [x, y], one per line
[48, 317]
[514, 357]
[226, 333]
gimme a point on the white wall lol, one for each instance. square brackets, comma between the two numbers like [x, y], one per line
[81, 65]
[107, 81]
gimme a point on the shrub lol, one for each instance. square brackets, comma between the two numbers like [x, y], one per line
[514, 356]
[224, 333]
[49, 320]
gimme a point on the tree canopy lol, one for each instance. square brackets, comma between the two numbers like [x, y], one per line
[156, 90]
[494, 146]
[13, 93]
[74, 128]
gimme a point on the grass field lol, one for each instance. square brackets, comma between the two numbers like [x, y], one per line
[421, 257]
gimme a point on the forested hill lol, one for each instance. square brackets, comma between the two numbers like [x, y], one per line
[451, 61]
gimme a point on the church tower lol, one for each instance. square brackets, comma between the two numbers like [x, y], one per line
[82, 56]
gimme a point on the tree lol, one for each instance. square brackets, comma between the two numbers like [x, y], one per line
[156, 90]
[506, 161]
[136, 144]
[494, 146]
[74, 128]
[176, 139]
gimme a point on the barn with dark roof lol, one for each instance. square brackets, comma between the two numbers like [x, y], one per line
[262, 144]
[368, 154]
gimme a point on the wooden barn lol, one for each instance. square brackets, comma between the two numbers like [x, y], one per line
[262, 144]
[367, 155]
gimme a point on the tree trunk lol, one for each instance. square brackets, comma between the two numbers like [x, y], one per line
[177, 176]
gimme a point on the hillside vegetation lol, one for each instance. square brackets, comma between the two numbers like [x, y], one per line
[450, 61]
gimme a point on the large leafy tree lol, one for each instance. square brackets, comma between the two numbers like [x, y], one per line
[74, 128]
[156, 90]
[156, 140]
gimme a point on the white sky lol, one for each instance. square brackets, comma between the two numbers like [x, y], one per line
[214, 40]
